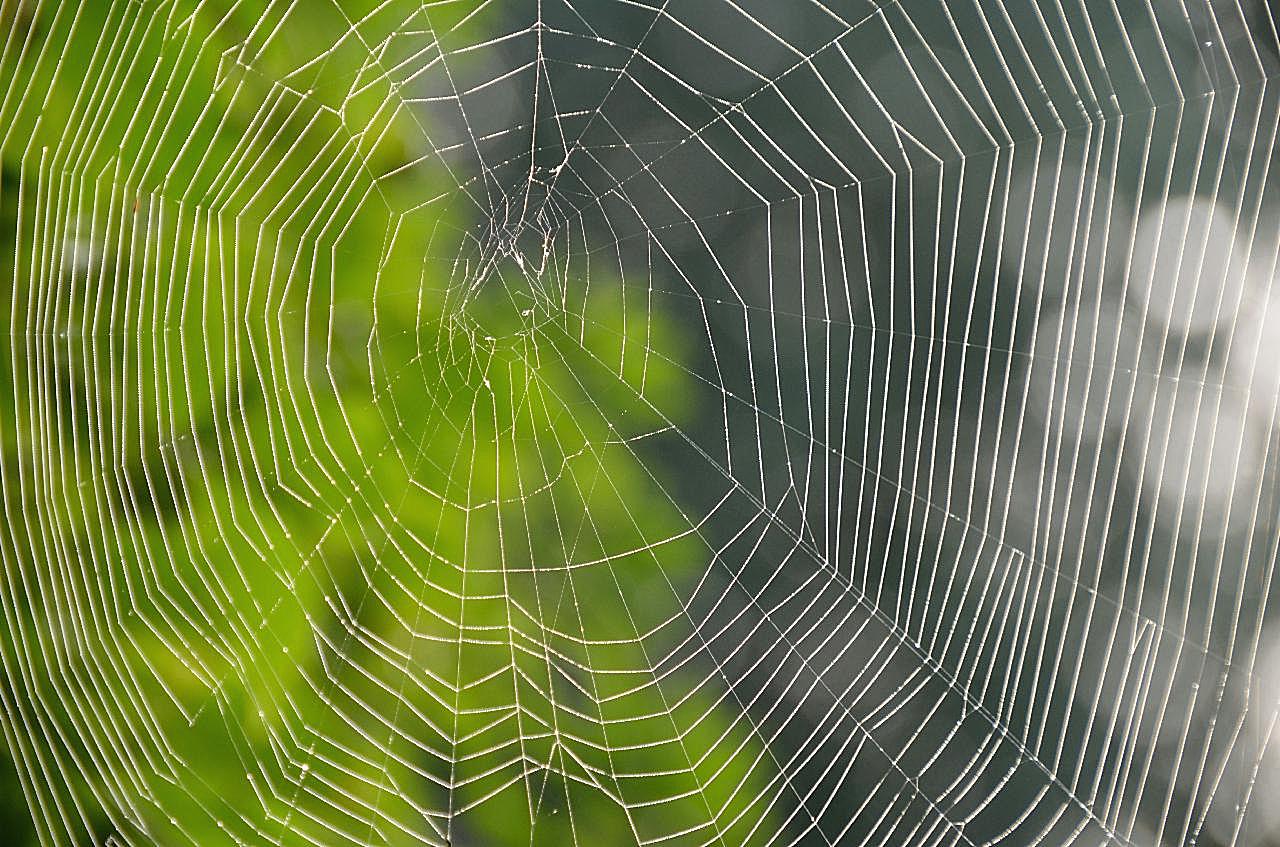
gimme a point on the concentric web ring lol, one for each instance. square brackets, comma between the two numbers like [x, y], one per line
[714, 422]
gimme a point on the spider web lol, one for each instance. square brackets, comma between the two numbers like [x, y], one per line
[632, 422]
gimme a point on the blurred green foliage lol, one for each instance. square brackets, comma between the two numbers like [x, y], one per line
[294, 545]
